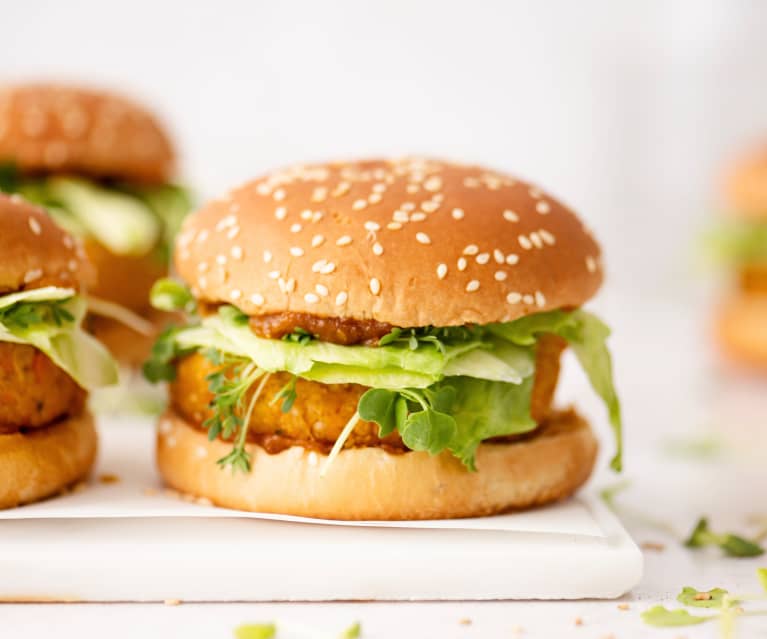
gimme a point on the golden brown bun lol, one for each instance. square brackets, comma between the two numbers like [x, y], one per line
[43, 462]
[128, 347]
[746, 187]
[320, 240]
[49, 128]
[742, 329]
[34, 252]
[369, 483]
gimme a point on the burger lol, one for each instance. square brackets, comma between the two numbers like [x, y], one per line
[47, 362]
[739, 244]
[101, 166]
[380, 340]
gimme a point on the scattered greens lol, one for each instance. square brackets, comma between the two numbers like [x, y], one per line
[49, 319]
[269, 631]
[127, 219]
[732, 545]
[662, 617]
[442, 389]
[713, 598]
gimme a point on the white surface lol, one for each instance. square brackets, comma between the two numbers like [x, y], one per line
[160, 545]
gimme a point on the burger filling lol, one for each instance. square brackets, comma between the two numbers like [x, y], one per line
[47, 362]
[329, 383]
[743, 247]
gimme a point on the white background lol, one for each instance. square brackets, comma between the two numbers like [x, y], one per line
[629, 111]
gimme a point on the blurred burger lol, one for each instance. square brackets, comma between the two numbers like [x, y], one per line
[101, 166]
[740, 243]
[47, 362]
[380, 340]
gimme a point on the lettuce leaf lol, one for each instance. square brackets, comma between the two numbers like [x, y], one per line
[737, 242]
[60, 337]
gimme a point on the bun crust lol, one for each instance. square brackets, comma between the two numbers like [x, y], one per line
[36, 252]
[48, 128]
[741, 329]
[371, 484]
[746, 187]
[43, 462]
[410, 242]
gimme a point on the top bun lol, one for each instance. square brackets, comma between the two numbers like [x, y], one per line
[411, 242]
[37, 253]
[45, 128]
[746, 187]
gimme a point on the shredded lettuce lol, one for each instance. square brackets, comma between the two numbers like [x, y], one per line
[50, 319]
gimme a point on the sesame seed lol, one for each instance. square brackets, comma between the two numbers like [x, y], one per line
[226, 222]
[341, 298]
[510, 216]
[328, 268]
[524, 242]
[263, 188]
[296, 251]
[498, 256]
[423, 238]
[540, 299]
[408, 206]
[536, 239]
[379, 188]
[322, 290]
[342, 188]
[591, 264]
[72, 265]
[458, 214]
[344, 240]
[483, 258]
[318, 265]
[441, 271]
[542, 207]
[235, 294]
[430, 207]
[500, 276]
[375, 286]
[433, 184]
[295, 228]
[280, 212]
[512, 259]
[471, 249]
[319, 194]
[472, 286]
[394, 226]
[462, 263]
[372, 226]
[375, 198]
[306, 214]
[233, 232]
[290, 285]
[221, 259]
[400, 216]
[236, 252]
[34, 226]
[202, 236]
[279, 195]
[68, 242]
[317, 240]
[202, 281]
[32, 275]
[359, 205]
[311, 298]
[267, 256]
[547, 237]
[534, 193]
[273, 274]
[513, 298]
[377, 249]
[257, 299]
[528, 299]
[418, 217]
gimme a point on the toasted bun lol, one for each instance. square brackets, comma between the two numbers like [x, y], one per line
[746, 187]
[34, 252]
[369, 483]
[48, 128]
[410, 242]
[741, 329]
[44, 461]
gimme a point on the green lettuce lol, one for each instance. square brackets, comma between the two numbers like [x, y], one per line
[50, 319]
[737, 242]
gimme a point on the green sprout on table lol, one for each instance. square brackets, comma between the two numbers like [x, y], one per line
[269, 631]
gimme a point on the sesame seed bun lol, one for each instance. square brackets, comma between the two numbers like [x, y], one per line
[44, 461]
[58, 129]
[36, 252]
[746, 187]
[741, 329]
[410, 242]
[371, 484]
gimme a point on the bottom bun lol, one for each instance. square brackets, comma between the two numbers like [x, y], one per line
[369, 483]
[44, 461]
[742, 329]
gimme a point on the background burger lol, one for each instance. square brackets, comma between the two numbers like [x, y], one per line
[380, 340]
[740, 244]
[101, 166]
[47, 362]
